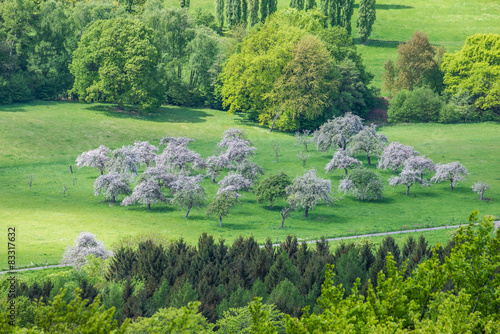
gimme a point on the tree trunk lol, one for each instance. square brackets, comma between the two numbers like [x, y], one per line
[102, 171]
[407, 190]
[271, 207]
[481, 196]
[220, 221]
[149, 206]
[307, 211]
[274, 121]
[345, 171]
[368, 157]
[213, 178]
[283, 222]
[70, 169]
[451, 184]
[304, 163]
[114, 200]
[187, 213]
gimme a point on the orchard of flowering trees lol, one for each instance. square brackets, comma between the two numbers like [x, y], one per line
[173, 173]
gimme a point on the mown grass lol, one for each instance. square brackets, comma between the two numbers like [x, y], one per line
[446, 22]
[40, 140]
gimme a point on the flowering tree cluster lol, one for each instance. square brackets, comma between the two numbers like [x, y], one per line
[341, 159]
[111, 185]
[85, 244]
[95, 158]
[338, 132]
[395, 155]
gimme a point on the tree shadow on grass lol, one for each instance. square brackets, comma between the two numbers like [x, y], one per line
[164, 114]
[229, 226]
[154, 209]
[387, 7]
[379, 43]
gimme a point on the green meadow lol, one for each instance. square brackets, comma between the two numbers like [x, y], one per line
[39, 141]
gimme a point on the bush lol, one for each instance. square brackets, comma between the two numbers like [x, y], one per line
[450, 114]
[419, 105]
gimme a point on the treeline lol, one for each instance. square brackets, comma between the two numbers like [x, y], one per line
[363, 290]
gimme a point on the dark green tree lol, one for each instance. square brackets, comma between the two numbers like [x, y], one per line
[287, 298]
[272, 188]
[281, 269]
[366, 18]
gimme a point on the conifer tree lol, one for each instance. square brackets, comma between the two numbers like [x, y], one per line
[219, 12]
[366, 18]
[264, 10]
[273, 6]
[253, 18]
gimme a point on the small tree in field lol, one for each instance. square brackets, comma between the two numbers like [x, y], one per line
[395, 155]
[454, 172]
[363, 184]
[277, 150]
[285, 212]
[214, 164]
[337, 132]
[85, 244]
[223, 201]
[303, 156]
[408, 177]
[112, 185]
[308, 190]
[480, 188]
[146, 193]
[188, 193]
[304, 139]
[367, 140]
[341, 159]
[95, 158]
[145, 152]
[272, 188]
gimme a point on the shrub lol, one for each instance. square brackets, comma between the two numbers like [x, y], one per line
[419, 105]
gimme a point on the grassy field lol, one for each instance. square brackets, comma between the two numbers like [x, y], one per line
[40, 141]
[446, 22]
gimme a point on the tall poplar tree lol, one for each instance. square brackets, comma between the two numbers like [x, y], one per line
[264, 9]
[273, 6]
[254, 12]
[219, 12]
[366, 18]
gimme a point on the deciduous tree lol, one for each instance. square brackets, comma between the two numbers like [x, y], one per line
[453, 171]
[308, 190]
[341, 159]
[480, 187]
[116, 61]
[363, 184]
[146, 193]
[145, 152]
[111, 185]
[394, 156]
[223, 201]
[367, 140]
[338, 132]
[272, 188]
[95, 158]
[408, 176]
[187, 192]
[85, 244]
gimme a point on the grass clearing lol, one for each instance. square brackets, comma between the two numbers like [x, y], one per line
[42, 139]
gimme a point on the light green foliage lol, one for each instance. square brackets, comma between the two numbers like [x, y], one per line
[116, 62]
[366, 18]
[476, 69]
[287, 298]
[273, 187]
[185, 320]
[240, 320]
[260, 318]
[60, 316]
[419, 105]
[221, 204]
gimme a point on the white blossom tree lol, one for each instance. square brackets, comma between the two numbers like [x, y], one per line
[188, 193]
[249, 170]
[421, 164]
[341, 159]
[394, 156]
[453, 172]
[85, 244]
[112, 185]
[235, 180]
[160, 175]
[177, 156]
[338, 132]
[304, 139]
[362, 183]
[223, 201]
[237, 147]
[145, 152]
[409, 177]
[369, 141]
[123, 160]
[216, 163]
[146, 193]
[95, 158]
[308, 190]
[480, 187]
